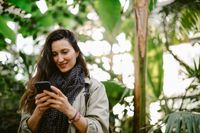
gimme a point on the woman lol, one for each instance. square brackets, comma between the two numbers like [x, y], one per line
[64, 109]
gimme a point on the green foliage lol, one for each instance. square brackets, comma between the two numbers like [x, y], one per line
[193, 71]
[6, 31]
[10, 93]
[128, 27]
[2, 42]
[39, 23]
[9, 121]
[178, 21]
[10, 87]
[181, 21]
[155, 67]
[115, 20]
[28, 62]
[183, 122]
[188, 20]
[109, 12]
[22, 4]
[116, 93]
[182, 119]
[152, 4]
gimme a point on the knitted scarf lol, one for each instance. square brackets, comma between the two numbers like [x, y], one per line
[52, 120]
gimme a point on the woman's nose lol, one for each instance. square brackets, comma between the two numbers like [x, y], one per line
[60, 58]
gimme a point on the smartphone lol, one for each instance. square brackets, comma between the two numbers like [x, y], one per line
[42, 85]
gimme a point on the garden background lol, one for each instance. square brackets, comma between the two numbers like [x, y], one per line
[110, 34]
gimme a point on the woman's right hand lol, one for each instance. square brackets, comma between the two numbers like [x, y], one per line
[41, 104]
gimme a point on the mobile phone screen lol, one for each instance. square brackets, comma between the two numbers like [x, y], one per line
[42, 85]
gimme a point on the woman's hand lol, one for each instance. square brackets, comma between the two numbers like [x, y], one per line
[60, 102]
[41, 102]
[41, 106]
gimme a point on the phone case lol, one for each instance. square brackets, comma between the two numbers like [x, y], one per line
[42, 85]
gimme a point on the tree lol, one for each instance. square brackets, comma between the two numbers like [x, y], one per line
[141, 18]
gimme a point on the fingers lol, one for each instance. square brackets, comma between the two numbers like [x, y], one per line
[56, 106]
[56, 94]
[56, 90]
[51, 99]
[43, 105]
[55, 103]
[51, 94]
[41, 102]
[60, 104]
[57, 99]
[42, 108]
[41, 99]
[38, 96]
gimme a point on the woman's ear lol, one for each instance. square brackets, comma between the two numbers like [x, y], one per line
[77, 54]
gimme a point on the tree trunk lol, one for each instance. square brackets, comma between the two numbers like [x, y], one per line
[141, 18]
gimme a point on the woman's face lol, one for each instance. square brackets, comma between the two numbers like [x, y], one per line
[64, 55]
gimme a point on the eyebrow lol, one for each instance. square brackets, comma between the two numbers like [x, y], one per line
[62, 49]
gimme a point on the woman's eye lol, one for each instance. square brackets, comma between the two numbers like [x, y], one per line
[54, 54]
[65, 52]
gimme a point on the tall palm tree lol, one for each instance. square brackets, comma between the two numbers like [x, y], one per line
[141, 18]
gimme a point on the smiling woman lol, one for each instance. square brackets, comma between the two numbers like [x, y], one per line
[64, 109]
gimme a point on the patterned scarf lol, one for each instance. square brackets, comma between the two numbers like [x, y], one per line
[52, 120]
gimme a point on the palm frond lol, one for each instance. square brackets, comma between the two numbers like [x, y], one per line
[182, 122]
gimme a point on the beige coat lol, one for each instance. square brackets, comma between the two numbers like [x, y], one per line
[97, 113]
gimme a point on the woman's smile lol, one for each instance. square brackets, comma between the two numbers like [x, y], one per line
[63, 65]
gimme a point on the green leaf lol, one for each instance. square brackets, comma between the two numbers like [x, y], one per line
[115, 91]
[109, 12]
[181, 121]
[6, 31]
[152, 4]
[25, 5]
[155, 70]
[2, 42]
[46, 20]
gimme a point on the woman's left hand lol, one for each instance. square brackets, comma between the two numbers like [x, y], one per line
[60, 102]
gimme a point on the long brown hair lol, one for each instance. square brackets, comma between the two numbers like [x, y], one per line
[46, 67]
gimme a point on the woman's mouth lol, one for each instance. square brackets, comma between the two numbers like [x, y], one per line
[63, 65]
